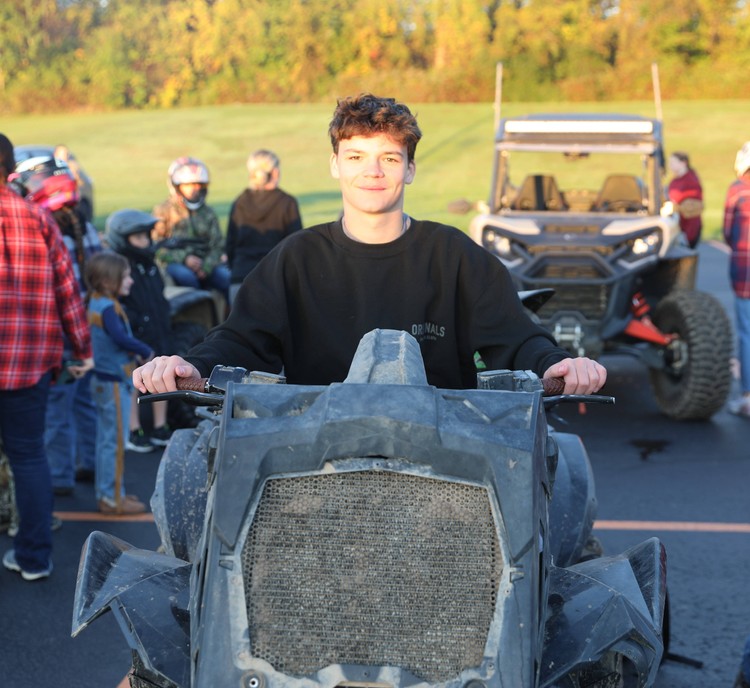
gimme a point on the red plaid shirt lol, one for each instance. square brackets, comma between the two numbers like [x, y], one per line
[39, 295]
[737, 234]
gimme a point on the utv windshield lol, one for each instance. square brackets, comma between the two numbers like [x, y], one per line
[578, 165]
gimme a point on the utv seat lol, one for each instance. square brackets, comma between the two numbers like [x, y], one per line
[539, 192]
[620, 193]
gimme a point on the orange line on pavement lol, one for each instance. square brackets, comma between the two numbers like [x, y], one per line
[99, 516]
[680, 526]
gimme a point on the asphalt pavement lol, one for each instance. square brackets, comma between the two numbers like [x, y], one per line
[686, 483]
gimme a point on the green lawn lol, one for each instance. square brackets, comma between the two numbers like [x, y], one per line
[128, 153]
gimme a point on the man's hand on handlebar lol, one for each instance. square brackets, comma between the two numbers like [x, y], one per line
[160, 373]
[581, 375]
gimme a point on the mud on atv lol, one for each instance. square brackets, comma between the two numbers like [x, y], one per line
[377, 533]
[589, 220]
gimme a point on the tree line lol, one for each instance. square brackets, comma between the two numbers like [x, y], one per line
[63, 55]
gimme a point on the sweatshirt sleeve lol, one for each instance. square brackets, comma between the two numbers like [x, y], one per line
[215, 242]
[252, 334]
[505, 335]
[115, 328]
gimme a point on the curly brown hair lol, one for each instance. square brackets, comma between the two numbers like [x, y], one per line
[369, 115]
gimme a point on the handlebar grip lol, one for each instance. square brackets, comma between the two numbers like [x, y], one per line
[552, 386]
[192, 384]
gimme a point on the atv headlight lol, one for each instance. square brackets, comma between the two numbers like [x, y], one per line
[645, 245]
[497, 244]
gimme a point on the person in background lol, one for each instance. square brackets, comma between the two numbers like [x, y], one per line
[116, 352]
[128, 233]
[193, 246]
[307, 304]
[39, 300]
[737, 235]
[686, 193]
[743, 676]
[70, 428]
[260, 217]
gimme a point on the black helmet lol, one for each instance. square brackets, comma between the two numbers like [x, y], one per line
[122, 223]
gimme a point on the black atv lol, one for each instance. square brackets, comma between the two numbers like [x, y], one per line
[376, 533]
[588, 218]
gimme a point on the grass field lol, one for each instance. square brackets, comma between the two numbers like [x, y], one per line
[128, 153]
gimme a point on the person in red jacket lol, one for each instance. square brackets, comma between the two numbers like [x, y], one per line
[686, 192]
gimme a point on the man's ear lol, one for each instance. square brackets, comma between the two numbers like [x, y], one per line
[334, 165]
[411, 172]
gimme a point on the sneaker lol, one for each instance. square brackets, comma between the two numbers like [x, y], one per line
[129, 505]
[740, 406]
[10, 563]
[138, 441]
[160, 436]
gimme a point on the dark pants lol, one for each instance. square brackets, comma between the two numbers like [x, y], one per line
[22, 413]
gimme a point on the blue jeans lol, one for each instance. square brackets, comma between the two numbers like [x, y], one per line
[112, 401]
[22, 413]
[70, 432]
[218, 278]
[742, 313]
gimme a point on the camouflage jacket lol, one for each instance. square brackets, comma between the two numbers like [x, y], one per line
[182, 232]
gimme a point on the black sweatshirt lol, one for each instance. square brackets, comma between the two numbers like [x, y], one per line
[308, 303]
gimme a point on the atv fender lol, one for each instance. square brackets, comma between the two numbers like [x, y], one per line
[611, 604]
[149, 594]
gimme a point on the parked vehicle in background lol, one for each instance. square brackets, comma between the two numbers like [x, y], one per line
[584, 213]
[85, 183]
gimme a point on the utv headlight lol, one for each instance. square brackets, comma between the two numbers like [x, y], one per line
[645, 245]
[497, 244]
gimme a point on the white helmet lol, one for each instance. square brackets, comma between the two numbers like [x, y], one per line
[742, 161]
[187, 170]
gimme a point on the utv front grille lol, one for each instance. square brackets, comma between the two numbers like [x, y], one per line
[588, 300]
[371, 568]
[579, 286]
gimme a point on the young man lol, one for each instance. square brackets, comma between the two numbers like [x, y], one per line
[307, 304]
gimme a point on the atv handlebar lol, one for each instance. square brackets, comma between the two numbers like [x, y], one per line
[199, 392]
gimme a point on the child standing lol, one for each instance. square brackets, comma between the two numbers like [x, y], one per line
[129, 234]
[116, 352]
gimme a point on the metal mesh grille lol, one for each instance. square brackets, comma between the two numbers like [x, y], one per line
[371, 568]
[590, 300]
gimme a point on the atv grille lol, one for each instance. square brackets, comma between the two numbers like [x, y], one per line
[371, 568]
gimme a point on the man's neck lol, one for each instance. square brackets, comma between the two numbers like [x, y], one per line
[378, 229]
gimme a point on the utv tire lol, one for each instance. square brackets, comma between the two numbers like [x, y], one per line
[700, 387]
